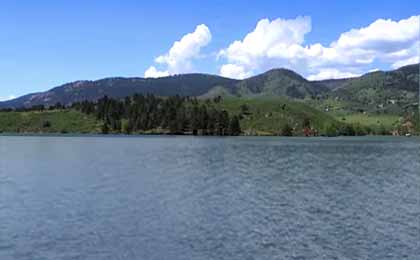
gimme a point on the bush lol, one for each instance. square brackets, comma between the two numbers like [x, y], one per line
[331, 130]
[105, 129]
[348, 130]
[359, 130]
[126, 127]
[46, 124]
[245, 109]
[382, 130]
[306, 123]
[287, 130]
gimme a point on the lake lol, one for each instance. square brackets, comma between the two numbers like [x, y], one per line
[163, 197]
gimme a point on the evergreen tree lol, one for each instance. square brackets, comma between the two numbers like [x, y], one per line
[195, 120]
[177, 114]
[105, 129]
[234, 127]
[222, 122]
[203, 119]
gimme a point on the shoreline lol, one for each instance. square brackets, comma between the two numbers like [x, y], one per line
[190, 135]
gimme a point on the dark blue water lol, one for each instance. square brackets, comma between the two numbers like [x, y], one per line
[209, 198]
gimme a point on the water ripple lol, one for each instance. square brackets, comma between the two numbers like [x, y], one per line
[209, 198]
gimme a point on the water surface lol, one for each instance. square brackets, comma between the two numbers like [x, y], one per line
[209, 198]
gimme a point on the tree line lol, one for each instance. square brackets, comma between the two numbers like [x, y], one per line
[39, 108]
[172, 115]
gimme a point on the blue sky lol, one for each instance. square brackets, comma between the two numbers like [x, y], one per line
[47, 43]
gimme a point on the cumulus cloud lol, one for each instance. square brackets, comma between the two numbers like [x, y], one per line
[234, 71]
[405, 62]
[7, 98]
[269, 38]
[152, 72]
[280, 43]
[387, 35]
[332, 74]
[179, 58]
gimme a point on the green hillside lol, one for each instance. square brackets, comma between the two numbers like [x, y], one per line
[392, 92]
[259, 116]
[387, 92]
[376, 119]
[57, 121]
[269, 115]
[277, 82]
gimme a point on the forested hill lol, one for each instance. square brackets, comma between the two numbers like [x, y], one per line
[182, 85]
[390, 91]
[375, 88]
[278, 82]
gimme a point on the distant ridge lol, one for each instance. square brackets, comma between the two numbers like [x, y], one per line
[397, 84]
[119, 87]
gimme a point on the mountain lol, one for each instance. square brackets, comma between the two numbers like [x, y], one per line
[398, 87]
[278, 82]
[183, 85]
[385, 90]
[331, 84]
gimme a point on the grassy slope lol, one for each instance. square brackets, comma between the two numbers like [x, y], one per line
[62, 121]
[268, 117]
[340, 111]
[388, 121]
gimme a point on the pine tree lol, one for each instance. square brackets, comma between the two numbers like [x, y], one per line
[222, 122]
[177, 114]
[105, 129]
[234, 127]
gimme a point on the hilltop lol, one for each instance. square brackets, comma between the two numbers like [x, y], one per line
[392, 90]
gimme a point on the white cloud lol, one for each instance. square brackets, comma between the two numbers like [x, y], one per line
[179, 58]
[268, 36]
[7, 98]
[405, 62]
[405, 56]
[268, 39]
[387, 35]
[152, 72]
[280, 43]
[234, 71]
[331, 74]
